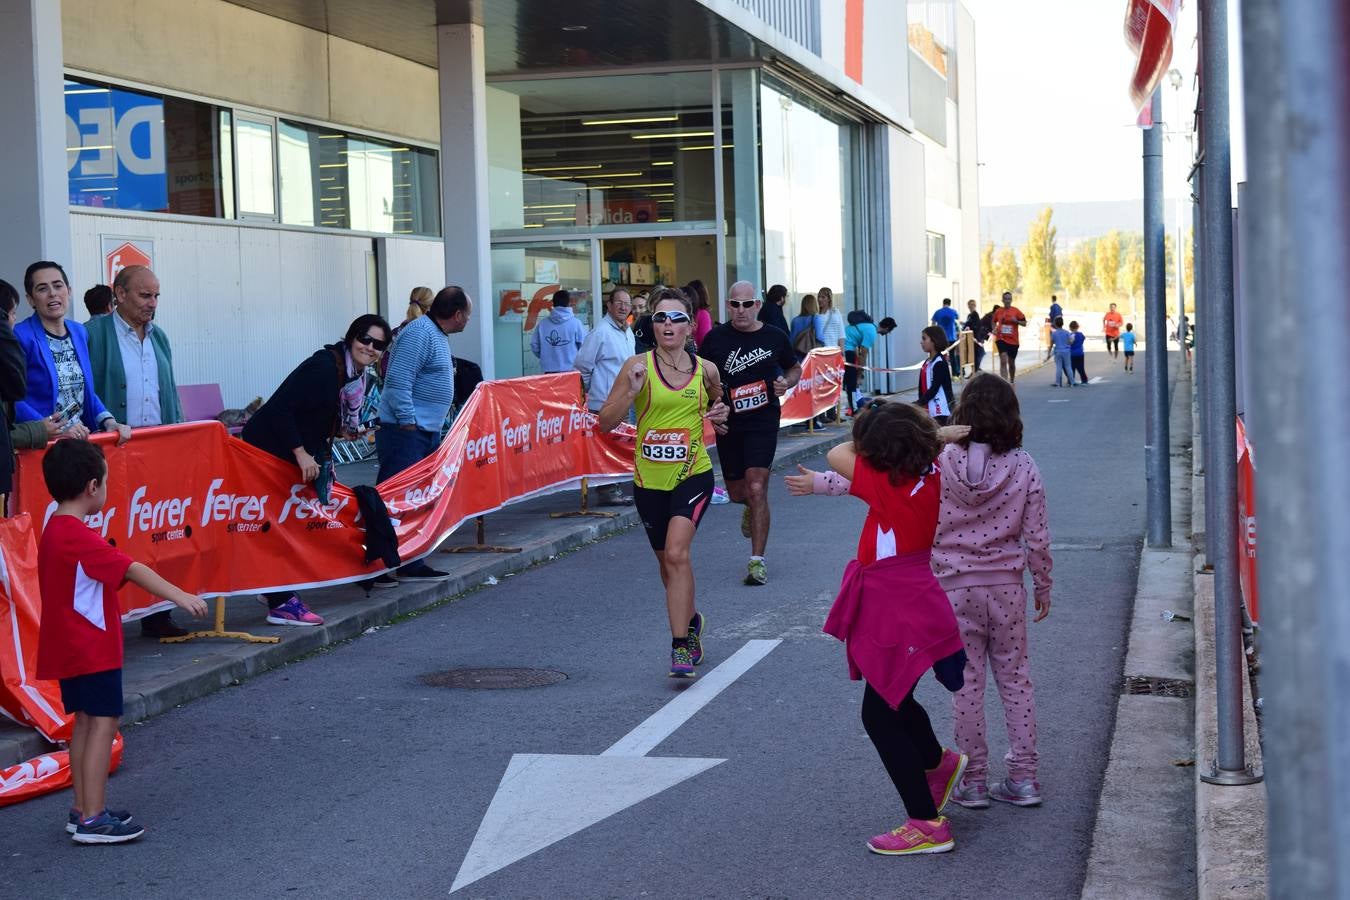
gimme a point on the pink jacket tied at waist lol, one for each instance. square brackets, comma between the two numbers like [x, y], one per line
[895, 621]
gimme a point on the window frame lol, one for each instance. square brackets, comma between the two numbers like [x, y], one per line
[937, 241]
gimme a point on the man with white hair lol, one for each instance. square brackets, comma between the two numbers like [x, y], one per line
[757, 365]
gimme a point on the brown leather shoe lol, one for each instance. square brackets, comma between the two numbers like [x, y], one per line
[160, 625]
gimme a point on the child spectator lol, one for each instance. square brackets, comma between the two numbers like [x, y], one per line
[1076, 353]
[1059, 345]
[935, 376]
[1127, 344]
[80, 636]
[993, 525]
[889, 599]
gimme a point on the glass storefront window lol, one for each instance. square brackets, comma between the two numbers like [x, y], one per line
[617, 152]
[135, 150]
[741, 177]
[337, 180]
[808, 177]
[524, 277]
[257, 179]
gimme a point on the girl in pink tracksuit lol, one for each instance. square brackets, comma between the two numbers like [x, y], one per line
[992, 526]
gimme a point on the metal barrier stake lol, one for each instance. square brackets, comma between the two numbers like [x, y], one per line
[219, 631]
[481, 545]
[585, 506]
[1157, 450]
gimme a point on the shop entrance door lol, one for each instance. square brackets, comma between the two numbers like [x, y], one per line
[640, 263]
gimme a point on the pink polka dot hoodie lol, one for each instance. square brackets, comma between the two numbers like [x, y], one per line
[992, 524]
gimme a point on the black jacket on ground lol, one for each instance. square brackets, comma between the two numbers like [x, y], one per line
[304, 410]
[13, 387]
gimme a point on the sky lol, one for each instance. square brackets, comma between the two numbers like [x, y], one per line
[1055, 119]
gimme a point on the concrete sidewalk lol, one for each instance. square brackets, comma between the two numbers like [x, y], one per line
[158, 677]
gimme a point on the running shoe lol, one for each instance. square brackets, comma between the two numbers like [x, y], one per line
[420, 571]
[756, 573]
[385, 580]
[1018, 793]
[914, 837]
[106, 829]
[681, 663]
[719, 497]
[971, 795]
[292, 612]
[944, 779]
[745, 522]
[696, 625]
[73, 820]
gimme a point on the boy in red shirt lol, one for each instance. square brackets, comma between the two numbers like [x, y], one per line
[80, 636]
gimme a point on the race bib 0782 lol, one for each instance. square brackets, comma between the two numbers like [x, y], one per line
[670, 445]
[749, 397]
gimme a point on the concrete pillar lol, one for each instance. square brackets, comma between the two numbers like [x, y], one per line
[34, 192]
[464, 184]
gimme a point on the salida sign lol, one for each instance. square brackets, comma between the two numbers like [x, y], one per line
[617, 212]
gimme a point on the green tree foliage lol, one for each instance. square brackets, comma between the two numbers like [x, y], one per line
[1007, 276]
[1132, 270]
[1078, 272]
[1170, 266]
[1189, 262]
[987, 280]
[1106, 262]
[1039, 270]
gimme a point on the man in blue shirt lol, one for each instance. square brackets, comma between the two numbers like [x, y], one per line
[947, 318]
[419, 389]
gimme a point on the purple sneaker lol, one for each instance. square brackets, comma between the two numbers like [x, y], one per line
[292, 612]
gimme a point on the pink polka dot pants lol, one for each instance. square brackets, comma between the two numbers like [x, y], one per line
[993, 622]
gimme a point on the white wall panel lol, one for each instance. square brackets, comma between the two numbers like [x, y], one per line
[241, 306]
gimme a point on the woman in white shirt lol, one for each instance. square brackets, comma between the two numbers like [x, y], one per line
[831, 319]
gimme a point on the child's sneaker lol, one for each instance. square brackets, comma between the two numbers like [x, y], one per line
[1018, 793]
[696, 625]
[971, 795]
[944, 779]
[914, 837]
[73, 819]
[105, 829]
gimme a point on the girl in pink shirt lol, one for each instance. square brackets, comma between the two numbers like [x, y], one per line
[991, 527]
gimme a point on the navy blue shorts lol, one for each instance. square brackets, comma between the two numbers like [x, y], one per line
[97, 694]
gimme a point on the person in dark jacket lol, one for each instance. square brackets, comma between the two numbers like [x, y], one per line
[320, 400]
[979, 331]
[13, 382]
[771, 313]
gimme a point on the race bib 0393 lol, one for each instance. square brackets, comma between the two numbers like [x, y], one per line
[669, 445]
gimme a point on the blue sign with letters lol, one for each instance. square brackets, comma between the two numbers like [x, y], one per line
[115, 148]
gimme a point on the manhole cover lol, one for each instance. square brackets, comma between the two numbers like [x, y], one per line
[1158, 687]
[492, 679]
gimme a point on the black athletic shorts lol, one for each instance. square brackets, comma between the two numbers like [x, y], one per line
[749, 449]
[689, 499]
[1008, 350]
[96, 694]
[1129, 353]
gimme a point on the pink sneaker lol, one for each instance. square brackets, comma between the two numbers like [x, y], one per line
[944, 779]
[292, 612]
[914, 837]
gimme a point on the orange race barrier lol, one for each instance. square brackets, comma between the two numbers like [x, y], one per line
[818, 390]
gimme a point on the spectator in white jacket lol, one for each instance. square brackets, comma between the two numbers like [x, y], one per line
[557, 339]
[602, 354]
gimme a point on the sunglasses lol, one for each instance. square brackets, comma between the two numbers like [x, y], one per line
[371, 341]
[741, 304]
[674, 318]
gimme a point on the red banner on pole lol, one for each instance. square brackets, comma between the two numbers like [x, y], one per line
[818, 389]
[1246, 530]
[1148, 33]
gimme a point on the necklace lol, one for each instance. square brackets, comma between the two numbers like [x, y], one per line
[671, 365]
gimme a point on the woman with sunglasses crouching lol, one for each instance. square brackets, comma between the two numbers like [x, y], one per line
[319, 401]
[673, 391]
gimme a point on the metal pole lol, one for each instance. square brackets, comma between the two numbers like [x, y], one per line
[1221, 544]
[1297, 231]
[1157, 445]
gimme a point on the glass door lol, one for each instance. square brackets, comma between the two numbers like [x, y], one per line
[524, 279]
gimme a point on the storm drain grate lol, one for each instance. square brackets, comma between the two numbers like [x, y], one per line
[492, 679]
[1157, 687]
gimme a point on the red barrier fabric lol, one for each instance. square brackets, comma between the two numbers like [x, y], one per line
[818, 390]
[1246, 530]
[44, 774]
[1148, 34]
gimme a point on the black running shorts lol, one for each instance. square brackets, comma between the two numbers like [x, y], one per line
[689, 499]
[1008, 350]
[749, 449]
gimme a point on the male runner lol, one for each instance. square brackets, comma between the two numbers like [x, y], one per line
[1007, 319]
[1111, 323]
[750, 357]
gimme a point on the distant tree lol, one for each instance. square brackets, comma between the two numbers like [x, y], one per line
[1078, 269]
[988, 283]
[1039, 271]
[1189, 262]
[1170, 264]
[1007, 276]
[1106, 263]
[1132, 270]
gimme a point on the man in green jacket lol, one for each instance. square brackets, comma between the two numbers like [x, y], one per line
[133, 374]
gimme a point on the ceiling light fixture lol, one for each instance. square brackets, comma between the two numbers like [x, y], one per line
[664, 162]
[708, 147]
[670, 135]
[575, 27]
[630, 121]
[562, 168]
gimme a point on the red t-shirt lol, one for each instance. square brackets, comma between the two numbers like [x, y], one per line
[79, 574]
[901, 518]
[1005, 324]
[1111, 323]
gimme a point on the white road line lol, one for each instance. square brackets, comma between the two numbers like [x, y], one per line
[661, 724]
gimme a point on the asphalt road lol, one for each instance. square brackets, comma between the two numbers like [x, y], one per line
[345, 776]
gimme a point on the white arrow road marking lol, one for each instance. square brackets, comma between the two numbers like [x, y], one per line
[1097, 379]
[544, 798]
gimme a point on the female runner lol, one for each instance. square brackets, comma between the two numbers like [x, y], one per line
[673, 390]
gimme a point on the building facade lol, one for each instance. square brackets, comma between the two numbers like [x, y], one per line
[288, 165]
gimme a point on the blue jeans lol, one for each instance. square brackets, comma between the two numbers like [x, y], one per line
[1063, 367]
[399, 448]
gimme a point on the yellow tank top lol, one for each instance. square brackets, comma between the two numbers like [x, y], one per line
[670, 444]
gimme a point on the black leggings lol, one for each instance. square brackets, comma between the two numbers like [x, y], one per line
[850, 376]
[907, 746]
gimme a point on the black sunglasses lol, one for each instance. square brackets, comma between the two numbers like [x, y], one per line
[741, 304]
[674, 317]
[371, 341]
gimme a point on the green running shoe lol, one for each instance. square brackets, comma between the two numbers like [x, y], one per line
[756, 573]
